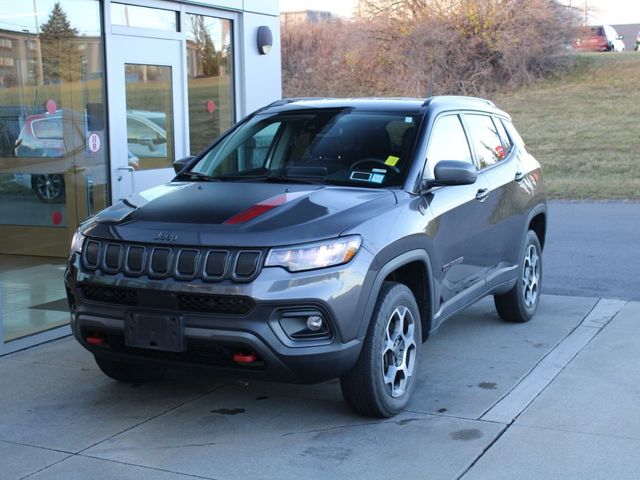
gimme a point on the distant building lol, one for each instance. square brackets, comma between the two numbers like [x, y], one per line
[306, 16]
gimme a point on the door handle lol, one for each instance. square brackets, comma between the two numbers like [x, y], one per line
[124, 169]
[519, 176]
[483, 194]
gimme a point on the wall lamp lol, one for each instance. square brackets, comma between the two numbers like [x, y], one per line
[265, 39]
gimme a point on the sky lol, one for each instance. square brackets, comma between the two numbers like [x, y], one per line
[603, 11]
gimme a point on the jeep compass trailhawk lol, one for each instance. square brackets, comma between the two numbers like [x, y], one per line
[318, 238]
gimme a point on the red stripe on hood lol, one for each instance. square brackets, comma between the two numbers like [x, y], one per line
[263, 207]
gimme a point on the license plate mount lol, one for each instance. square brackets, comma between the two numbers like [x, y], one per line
[154, 332]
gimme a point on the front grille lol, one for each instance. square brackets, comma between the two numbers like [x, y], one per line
[114, 295]
[229, 304]
[246, 264]
[216, 264]
[135, 259]
[182, 263]
[112, 256]
[187, 263]
[186, 302]
[160, 261]
[91, 257]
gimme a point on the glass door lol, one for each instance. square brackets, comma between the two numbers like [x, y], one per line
[146, 118]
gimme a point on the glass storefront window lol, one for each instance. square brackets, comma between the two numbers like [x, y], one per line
[144, 17]
[210, 76]
[53, 155]
[149, 116]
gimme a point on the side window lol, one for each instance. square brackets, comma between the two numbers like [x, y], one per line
[485, 140]
[257, 152]
[504, 137]
[245, 152]
[448, 142]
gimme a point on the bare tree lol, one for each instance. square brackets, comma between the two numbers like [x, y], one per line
[407, 47]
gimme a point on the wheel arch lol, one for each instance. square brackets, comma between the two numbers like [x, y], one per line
[537, 221]
[413, 269]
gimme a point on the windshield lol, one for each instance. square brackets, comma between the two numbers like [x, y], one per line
[338, 146]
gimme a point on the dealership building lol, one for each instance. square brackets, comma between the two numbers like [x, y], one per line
[98, 98]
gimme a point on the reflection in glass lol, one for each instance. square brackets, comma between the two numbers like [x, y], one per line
[149, 116]
[210, 74]
[51, 101]
[144, 17]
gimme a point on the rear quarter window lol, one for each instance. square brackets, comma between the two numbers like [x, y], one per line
[504, 136]
[485, 139]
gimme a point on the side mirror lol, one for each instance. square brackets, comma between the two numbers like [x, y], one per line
[179, 165]
[620, 37]
[454, 172]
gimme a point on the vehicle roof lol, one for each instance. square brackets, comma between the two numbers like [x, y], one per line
[401, 104]
[365, 104]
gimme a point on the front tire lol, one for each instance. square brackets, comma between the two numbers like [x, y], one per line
[520, 303]
[128, 372]
[381, 382]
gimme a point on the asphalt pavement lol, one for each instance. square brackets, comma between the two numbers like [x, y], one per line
[593, 249]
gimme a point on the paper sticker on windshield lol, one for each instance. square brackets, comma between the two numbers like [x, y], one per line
[391, 161]
[367, 177]
[408, 120]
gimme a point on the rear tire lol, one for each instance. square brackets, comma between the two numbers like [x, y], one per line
[520, 303]
[128, 372]
[381, 382]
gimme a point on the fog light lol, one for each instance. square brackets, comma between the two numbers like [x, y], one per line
[314, 323]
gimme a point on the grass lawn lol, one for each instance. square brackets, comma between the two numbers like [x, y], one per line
[584, 128]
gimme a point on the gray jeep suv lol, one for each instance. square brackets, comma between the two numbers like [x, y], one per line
[318, 238]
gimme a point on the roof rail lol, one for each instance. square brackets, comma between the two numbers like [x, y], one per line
[286, 101]
[428, 101]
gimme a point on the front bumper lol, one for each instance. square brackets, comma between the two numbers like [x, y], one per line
[212, 339]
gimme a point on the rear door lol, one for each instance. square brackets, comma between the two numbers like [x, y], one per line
[506, 203]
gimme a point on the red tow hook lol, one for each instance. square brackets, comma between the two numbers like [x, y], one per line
[95, 340]
[240, 357]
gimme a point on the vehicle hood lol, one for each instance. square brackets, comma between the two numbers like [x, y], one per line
[246, 214]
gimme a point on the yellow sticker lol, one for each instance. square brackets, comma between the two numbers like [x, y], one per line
[391, 161]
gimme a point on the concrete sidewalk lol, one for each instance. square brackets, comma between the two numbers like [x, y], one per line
[555, 398]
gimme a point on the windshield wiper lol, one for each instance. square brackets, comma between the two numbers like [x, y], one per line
[299, 175]
[241, 177]
[294, 179]
[197, 176]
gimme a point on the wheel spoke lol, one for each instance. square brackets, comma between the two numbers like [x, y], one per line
[398, 350]
[390, 375]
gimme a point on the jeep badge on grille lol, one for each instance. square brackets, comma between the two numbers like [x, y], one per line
[166, 237]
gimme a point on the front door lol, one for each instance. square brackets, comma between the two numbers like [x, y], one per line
[462, 220]
[146, 120]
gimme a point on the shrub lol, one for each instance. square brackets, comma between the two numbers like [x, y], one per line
[406, 47]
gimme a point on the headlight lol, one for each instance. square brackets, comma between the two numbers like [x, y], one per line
[77, 241]
[314, 255]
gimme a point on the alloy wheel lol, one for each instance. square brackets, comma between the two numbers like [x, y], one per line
[531, 276]
[398, 351]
